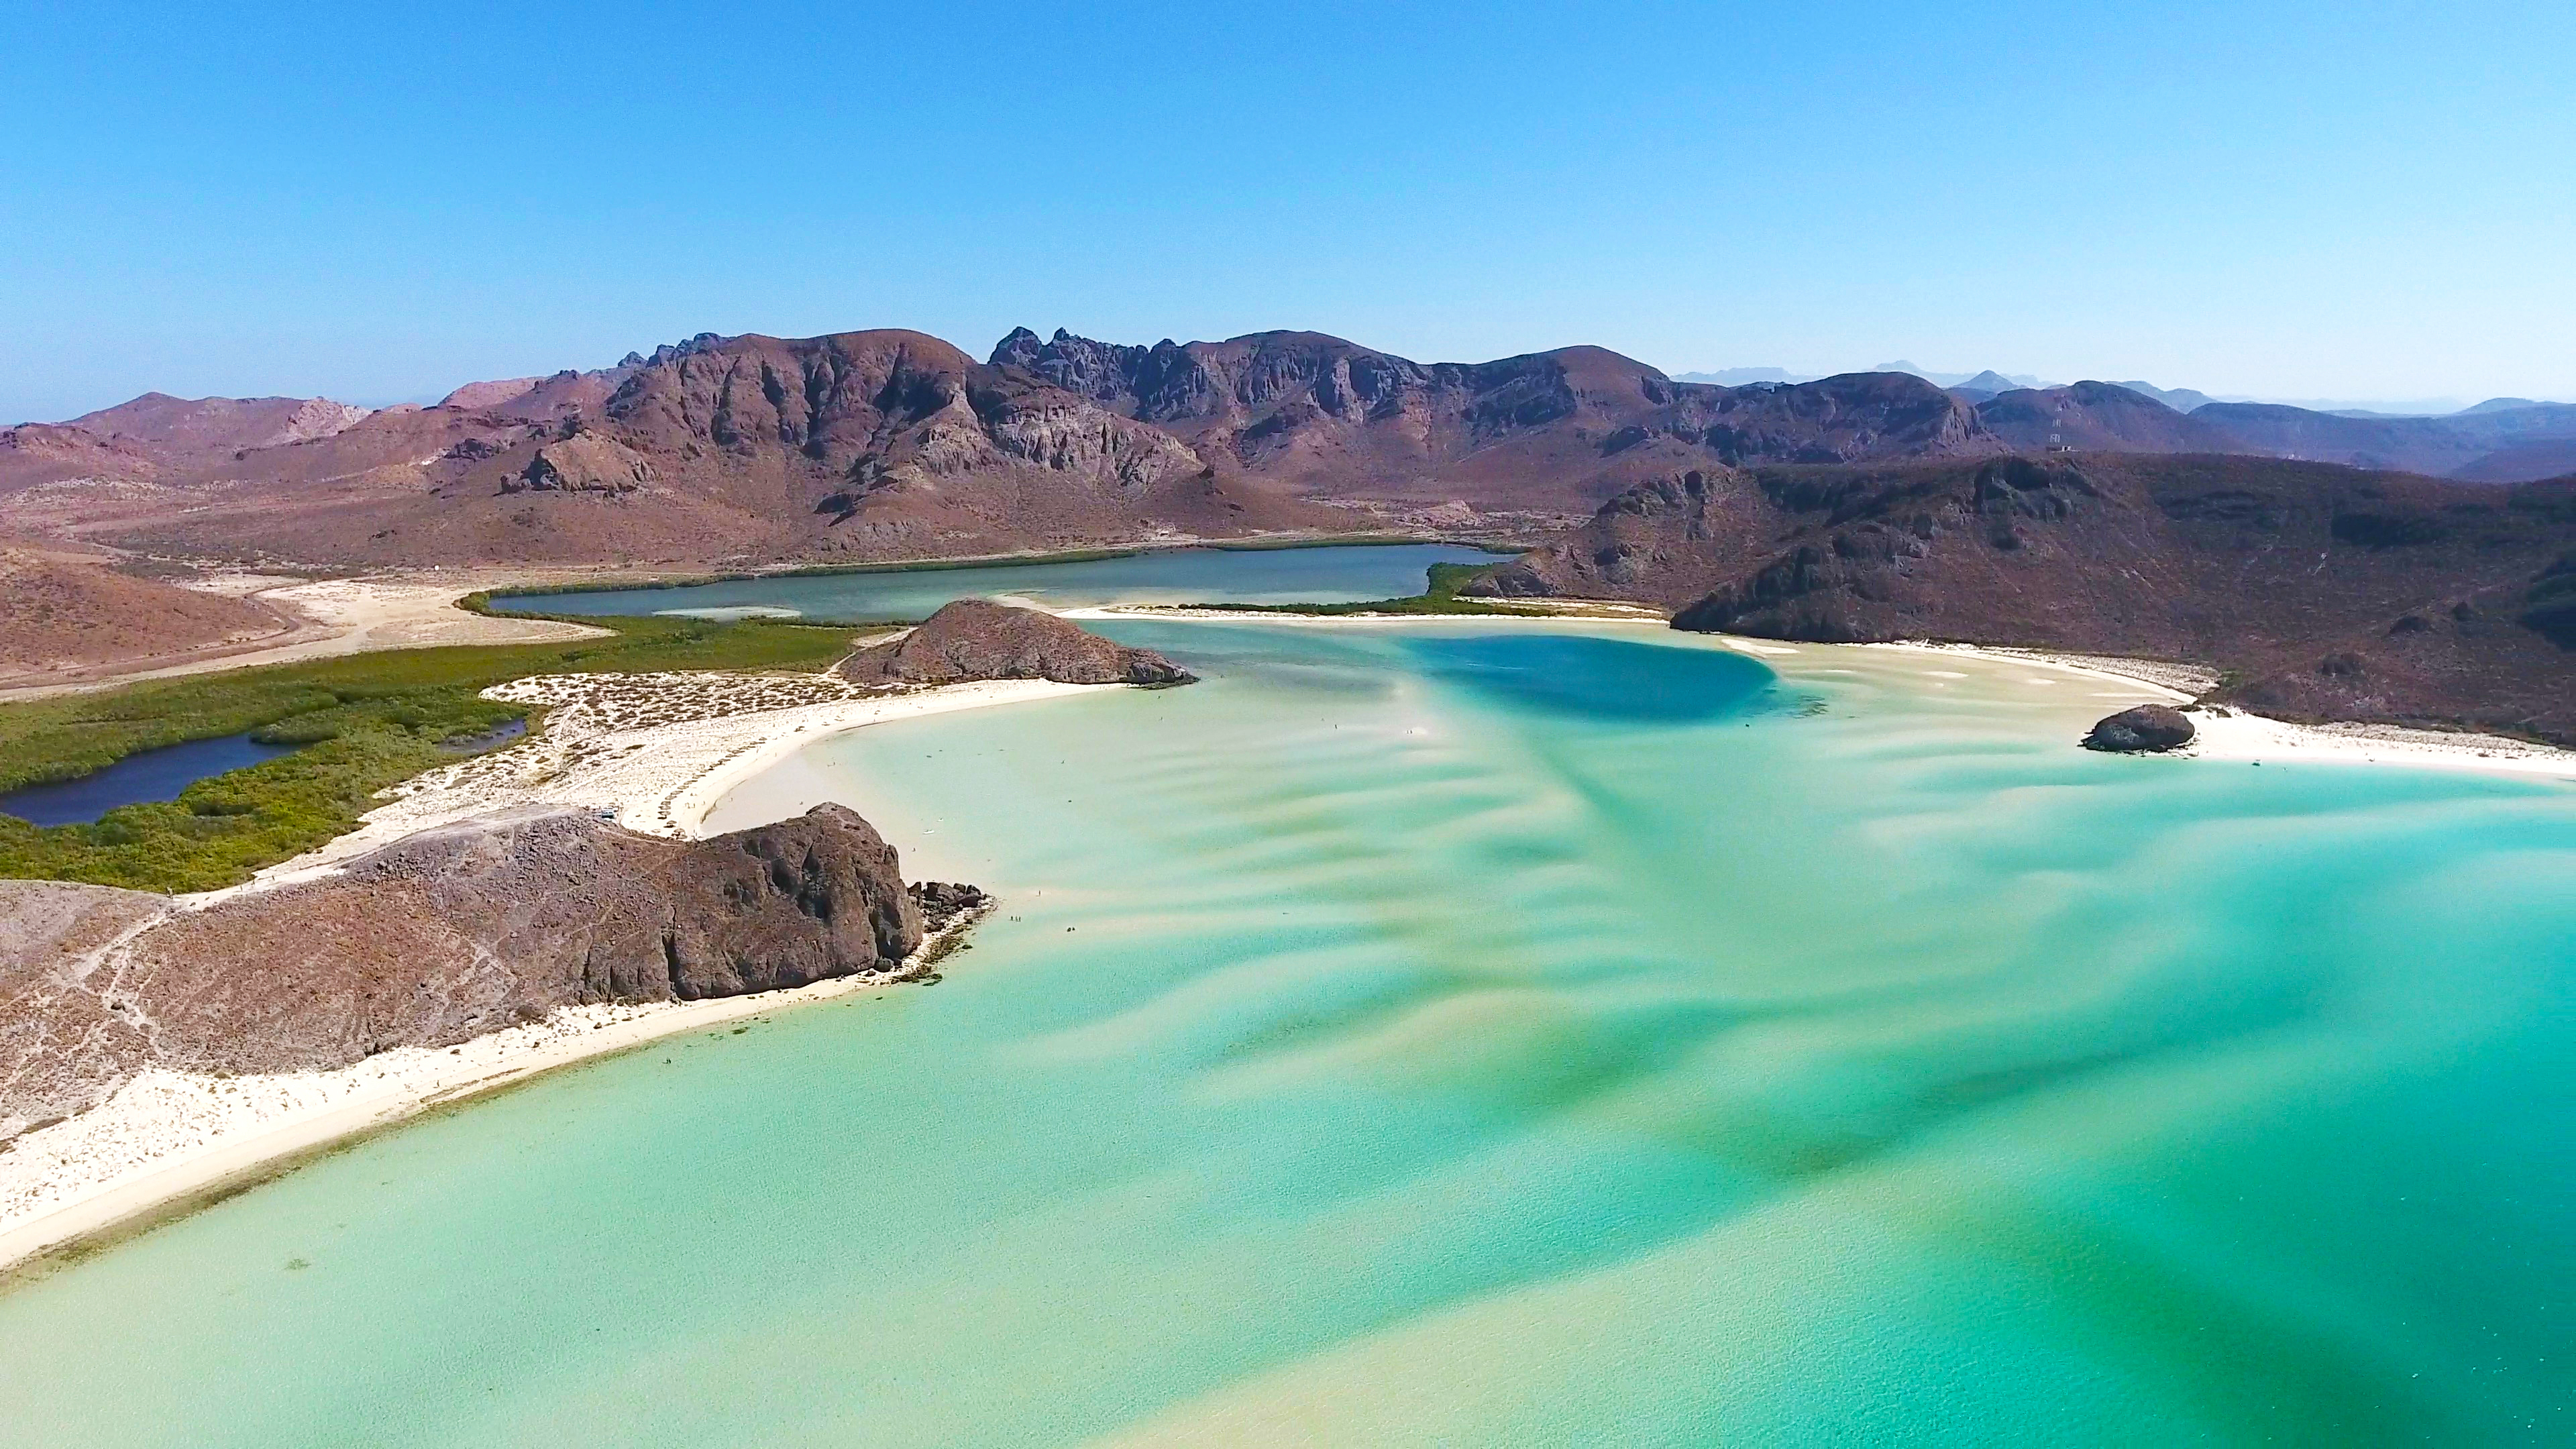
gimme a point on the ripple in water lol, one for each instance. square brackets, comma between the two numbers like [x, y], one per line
[1444, 1034]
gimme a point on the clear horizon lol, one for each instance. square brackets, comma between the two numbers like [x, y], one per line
[2246, 201]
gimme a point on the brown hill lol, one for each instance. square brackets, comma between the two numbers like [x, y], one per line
[63, 610]
[2099, 417]
[37, 453]
[2325, 591]
[174, 430]
[2488, 442]
[878, 444]
[891, 444]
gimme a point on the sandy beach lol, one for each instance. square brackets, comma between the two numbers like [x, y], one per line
[2224, 733]
[655, 750]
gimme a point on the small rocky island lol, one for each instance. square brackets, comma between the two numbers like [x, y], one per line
[2146, 729]
[434, 940]
[973, 639]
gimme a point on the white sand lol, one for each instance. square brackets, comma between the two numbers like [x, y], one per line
[2239, 736]
[654, 750]
[2223, 733]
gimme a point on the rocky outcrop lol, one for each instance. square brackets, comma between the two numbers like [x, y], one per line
[316, 417]
[945, 902]
[492, 393]
[436, 939]
[583, 463]
[974, 639]
[2144, 729]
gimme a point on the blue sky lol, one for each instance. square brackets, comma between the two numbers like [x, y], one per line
[2359, 200]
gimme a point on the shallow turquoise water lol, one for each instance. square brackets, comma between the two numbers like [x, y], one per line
[1443, 1034]
[1164, 576]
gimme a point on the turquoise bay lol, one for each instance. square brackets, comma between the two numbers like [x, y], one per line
[1465, 1033]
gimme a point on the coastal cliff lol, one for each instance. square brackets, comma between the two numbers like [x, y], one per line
[976, 639]
[436, 939]
[2320, 592]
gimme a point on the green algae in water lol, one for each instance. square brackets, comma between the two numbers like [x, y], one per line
[1494, 1036]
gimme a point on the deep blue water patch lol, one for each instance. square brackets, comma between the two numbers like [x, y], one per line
[1610, 679]
[140, 778]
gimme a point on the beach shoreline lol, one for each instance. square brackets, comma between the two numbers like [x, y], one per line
[250, 1129]
[658, 753]
[655, 751]
[2225, 733]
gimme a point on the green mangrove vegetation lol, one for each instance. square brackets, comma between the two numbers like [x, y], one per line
[364, 722]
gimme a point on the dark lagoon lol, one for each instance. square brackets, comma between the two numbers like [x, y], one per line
[140, 778]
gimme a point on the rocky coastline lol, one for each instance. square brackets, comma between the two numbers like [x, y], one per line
[429, 942]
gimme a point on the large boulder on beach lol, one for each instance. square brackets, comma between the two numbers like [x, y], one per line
[2145, 729]
[433, 940]
[974, 639]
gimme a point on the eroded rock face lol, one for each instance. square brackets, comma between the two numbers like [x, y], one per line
[583, 463]
[973, 639]
[2147, 728]
[431, 941]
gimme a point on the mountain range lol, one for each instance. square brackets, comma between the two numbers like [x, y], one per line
[2347, 567]
[894, 444]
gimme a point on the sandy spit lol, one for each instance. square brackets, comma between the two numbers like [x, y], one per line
[652, 751]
